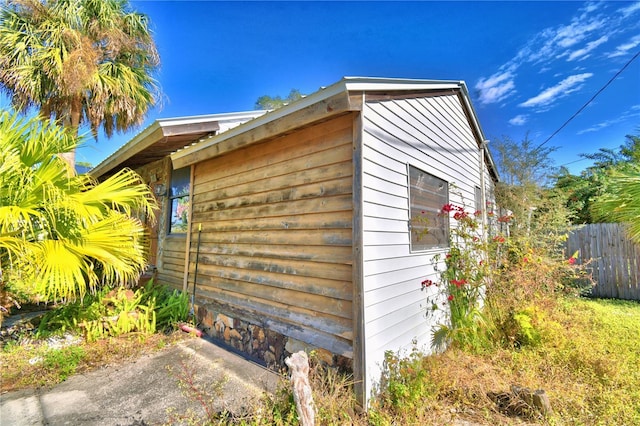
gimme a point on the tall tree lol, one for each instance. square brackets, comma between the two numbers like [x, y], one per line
[62, 234]
[269, 102]
[78, 62]
[582, 190]
[524, 190]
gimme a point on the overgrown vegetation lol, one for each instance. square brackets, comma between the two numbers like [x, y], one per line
[586, 357]
[101, 327]
[112, 313]
[332, 393]
[533, 331]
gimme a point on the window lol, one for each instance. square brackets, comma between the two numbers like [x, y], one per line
[179, 200]
[427, 195]
[478, 195]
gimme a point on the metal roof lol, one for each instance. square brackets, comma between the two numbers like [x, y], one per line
[166, 136]
[182, 137]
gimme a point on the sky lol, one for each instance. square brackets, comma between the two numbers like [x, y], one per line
[529, 66]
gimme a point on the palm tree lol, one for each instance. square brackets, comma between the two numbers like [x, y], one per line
[62, 234]
[621, 201]
[78, 62]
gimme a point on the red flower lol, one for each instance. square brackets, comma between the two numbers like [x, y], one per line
[459, 283]
[477, 213]
[447, 208]
[499, 239]
[525, 259]
[572, 261]
[426, 283]
[506, 218]
[459, 215]
[450, 298]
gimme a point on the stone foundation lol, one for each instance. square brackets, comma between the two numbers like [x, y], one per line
[260, 343]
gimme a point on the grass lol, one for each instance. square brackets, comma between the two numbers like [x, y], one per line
[587, 360]
[31, 364]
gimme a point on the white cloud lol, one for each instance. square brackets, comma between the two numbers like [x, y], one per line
[568, 35]
[625, 47]
[631, 9]
[634, 111]
[585, 35]
[495, 88]
[560, 90]
[544, 48]
[518, 120]
[584, 52]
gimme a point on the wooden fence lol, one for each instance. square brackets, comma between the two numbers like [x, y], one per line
[613, 259]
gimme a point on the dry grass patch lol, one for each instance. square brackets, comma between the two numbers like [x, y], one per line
[587, 361]
[30, 364]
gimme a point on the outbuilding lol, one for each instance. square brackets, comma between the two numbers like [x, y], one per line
[300, 226]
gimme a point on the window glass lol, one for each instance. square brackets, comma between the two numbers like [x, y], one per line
[179, 205]
[427, 194]
[478, 195]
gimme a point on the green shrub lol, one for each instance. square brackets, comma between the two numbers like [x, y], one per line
[406, 385]
[171, 306]
[118, 311]
[123, 313]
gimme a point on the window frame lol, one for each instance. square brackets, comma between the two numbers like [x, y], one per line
[433, 210]
[176, 192]
[478, 201]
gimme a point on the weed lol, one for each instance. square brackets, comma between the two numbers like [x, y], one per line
[171, 306]
[206, 396]
[22, 364]
[586, 358]
[64, 360]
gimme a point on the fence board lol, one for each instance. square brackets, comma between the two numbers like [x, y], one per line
[614, 259]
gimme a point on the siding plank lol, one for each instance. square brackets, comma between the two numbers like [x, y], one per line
[276, 246]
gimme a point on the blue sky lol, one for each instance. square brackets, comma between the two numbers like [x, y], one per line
[529, 65]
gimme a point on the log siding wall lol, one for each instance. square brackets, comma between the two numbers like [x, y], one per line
[276, 242]
[166, 254]
[432, 134]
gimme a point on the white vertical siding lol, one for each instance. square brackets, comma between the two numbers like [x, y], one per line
[432, 134]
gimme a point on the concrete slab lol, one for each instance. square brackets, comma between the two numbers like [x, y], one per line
[145, 391]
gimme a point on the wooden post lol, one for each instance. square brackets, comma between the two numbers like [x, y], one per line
[298, 364]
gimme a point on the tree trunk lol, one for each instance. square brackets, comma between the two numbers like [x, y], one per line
[73, 124]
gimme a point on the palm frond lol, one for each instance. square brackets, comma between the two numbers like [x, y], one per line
[621, 201]
[64, 233]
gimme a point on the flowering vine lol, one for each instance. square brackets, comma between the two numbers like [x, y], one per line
[463, 279]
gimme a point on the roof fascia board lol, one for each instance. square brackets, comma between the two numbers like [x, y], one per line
[141, 141]
[372, 85]
[160, 129]
[166, 122]
[187, 155]
[476, 124]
